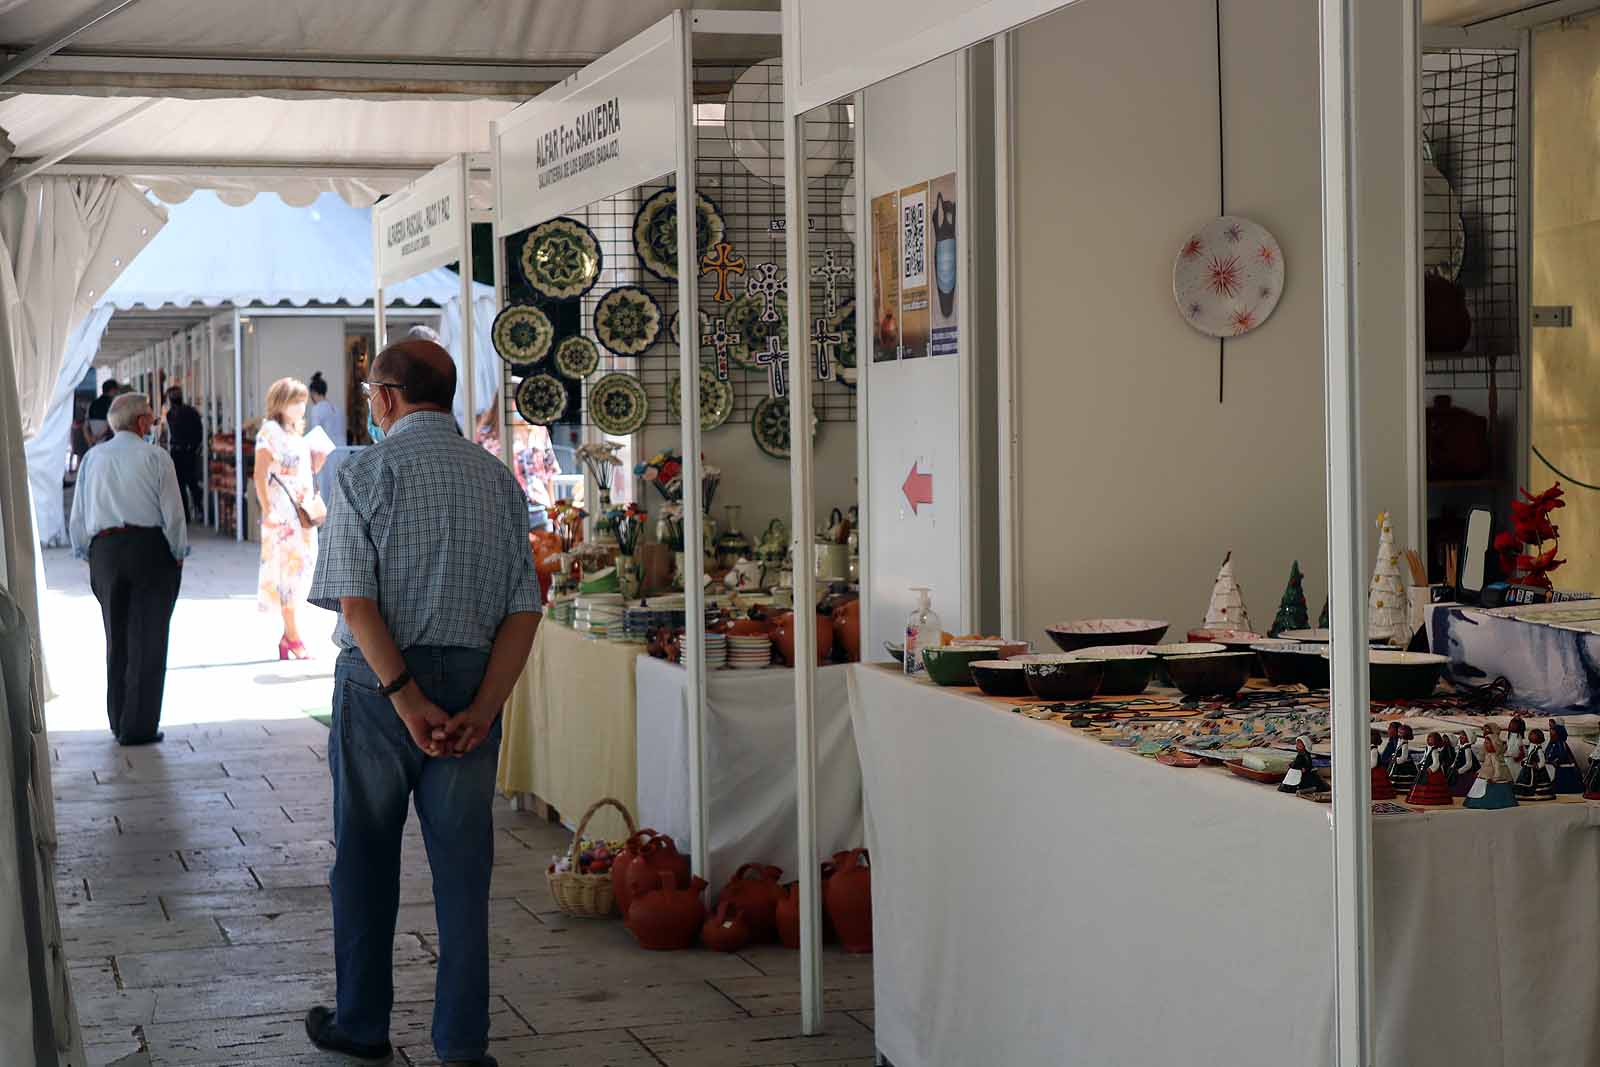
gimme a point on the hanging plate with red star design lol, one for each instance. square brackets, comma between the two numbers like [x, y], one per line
[1228, 277]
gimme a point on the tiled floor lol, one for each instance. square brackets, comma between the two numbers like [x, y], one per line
[193, 878]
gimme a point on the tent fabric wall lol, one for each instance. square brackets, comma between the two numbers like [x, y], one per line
[47, 449]
[486, 380]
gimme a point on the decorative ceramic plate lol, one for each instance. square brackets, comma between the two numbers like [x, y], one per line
[744, 319]
[843, 323]
[627, 320]
[655, 232]
[561, 258]
[1228, 277]
[770, 425]
[672, 325]
[577, 357]
[541, 399]
[754, 124]
[1444, 239]
[716, 399]
[522, 334]
[618, 405]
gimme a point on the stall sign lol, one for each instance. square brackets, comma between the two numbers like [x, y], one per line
[420, 227]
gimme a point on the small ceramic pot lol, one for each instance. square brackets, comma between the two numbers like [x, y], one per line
[1211, 674]
[666, 918]
[1001, 677]
[1090, 633]
[787, 916]
[783, 637]
[726, 931]
[1404, 675]
[756, 891]
[1062, 676]
[847, 898]
[1293, 663]
[847, 631]
[952, 664]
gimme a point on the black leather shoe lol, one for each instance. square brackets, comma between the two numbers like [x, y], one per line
[484, 1061]
[326, 1036]
[154, 739]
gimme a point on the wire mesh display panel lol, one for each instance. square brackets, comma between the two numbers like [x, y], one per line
[1470, 208]
[740, 174]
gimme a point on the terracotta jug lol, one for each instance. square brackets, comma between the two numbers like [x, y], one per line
[624, 862]
[787, 916]
[666, 918]
[657, 857]
[847, 898]
[783, 637]
[756, 890]
[728, 930]
[847, 630]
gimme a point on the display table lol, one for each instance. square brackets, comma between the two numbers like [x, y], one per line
[750, 764]
[1041, 898]
[1549, 668]
[568, 731]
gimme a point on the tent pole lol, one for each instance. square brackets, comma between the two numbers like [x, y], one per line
[499, 259]
[210, 495]
[468, 320]
[76, 144]
[238, 428]
[694, 585]
[803, 510]
[1351, 713]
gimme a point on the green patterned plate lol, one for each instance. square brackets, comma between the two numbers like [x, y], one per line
[541, 399]
[843, 323]
[561, 258]
[627, 320]
[522, 334]
[577, 357]
[655, 232]
[618, 404]
[770, 425]
[716, 399]
[744, 319]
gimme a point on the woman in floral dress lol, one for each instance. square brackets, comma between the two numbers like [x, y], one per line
[284, 476]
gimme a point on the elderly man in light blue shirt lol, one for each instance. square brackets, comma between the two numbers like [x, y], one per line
[127, 521]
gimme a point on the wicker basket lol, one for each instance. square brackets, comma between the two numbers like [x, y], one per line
[587, 896]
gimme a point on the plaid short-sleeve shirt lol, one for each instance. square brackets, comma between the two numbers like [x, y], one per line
[435, 530]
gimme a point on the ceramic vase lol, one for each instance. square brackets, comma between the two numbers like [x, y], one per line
[847, 630]
[783, 637]
[657, 858]
[847, 898]
[787, 916]
[757, 892]
[680, 570]
[728, 930]
[628, 576]
[666, 918]
[623, 863]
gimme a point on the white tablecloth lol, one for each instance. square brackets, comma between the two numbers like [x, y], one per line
[750, 766]
[1040, 898]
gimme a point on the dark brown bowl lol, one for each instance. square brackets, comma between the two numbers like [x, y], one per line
[1063, 677]
[1093, 633]
[1001, 678]
[1293, 663]
[1211, 674]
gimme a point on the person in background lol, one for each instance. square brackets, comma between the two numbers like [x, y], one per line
[95, 424]
[284, 474]
[186, 435]
[127, 521]
[426, 559]
[325, 413]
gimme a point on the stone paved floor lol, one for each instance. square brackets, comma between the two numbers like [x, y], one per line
[193, 881]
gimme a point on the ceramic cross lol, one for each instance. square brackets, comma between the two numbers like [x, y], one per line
[832, 273]
[722, 264]
[767, 285]
[775, 359]
[823, 342]
[720, 339]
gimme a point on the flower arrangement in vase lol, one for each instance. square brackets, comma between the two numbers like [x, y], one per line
[628, 524]
[567, 518]
[664, 470]
[1523, 556]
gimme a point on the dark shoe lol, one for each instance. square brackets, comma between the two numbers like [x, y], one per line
[154, 739]
[326, 1036]
[483, 1061]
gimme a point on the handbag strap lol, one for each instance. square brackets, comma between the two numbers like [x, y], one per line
[292, 501]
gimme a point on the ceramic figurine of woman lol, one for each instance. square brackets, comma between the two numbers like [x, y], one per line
[1391, 747]
[1403, 768]
[1302, 776]
[1534, 781]
[1467, 765]
[1493, 788]
[1433, 784]
[1516, 745]
[1561, 764]
[1381, 788]
[1591, 786]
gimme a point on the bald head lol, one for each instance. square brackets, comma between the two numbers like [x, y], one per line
[423, 370]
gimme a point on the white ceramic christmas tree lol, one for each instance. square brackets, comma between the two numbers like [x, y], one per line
[1386, 599]
[1226, 610]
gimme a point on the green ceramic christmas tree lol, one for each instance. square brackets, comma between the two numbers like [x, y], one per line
[1292, 609]
[1322, 620]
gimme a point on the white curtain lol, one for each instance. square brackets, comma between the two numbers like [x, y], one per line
[486, 382]
[47, 450]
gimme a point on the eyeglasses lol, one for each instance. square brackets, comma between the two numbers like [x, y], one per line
[368, 386]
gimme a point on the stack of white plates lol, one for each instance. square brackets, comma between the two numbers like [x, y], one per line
[598, 613]
[749, 652]
[716, 651]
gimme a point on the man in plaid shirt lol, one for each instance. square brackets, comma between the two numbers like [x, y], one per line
[425, 556]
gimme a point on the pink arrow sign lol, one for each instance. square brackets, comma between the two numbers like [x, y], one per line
[918, 488]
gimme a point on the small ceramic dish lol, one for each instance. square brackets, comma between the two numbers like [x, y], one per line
[952, 664]
[896, 652]
[1293, 663]
[1404, 675]
[1062, 676]
[1210, 674]
[1129, 668]
[1226, 637]
[1001, 677]
[1186, 648]
[1093, 633]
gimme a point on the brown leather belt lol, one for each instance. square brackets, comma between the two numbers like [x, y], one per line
[120, 530]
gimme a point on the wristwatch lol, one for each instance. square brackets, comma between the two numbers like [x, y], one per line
[398, 684]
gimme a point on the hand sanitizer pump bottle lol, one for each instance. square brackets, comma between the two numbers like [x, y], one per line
[922, 630]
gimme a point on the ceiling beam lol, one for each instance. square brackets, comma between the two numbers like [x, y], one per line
[32, 57]
[26, 169]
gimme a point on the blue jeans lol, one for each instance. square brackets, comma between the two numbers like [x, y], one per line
[376, 769]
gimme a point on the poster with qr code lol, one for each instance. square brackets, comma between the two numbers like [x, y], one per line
[945, 335]
[886, 278]
[914, 307]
